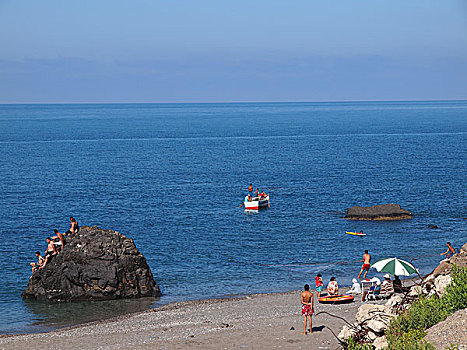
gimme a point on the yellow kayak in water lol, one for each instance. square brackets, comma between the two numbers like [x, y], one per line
[356, 233]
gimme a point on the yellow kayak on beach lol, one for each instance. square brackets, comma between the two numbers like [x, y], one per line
[355, 233]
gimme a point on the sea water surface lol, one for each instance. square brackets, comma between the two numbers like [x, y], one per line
[172, 177]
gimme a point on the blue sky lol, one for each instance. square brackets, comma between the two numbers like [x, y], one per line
[213, 51]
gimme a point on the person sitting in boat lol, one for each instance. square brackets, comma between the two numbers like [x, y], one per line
[263, 194]
[248, 198]
[333, 287]
[257, 192]
[356, 289]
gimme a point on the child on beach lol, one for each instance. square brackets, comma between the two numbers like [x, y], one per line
[307, 307]
[319, 285]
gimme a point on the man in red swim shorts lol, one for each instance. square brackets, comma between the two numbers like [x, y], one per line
[307, 307]
[366, 264]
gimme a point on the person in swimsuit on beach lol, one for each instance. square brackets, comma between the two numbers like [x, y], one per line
[319, 284]
[50, 251]
[450, 252]
[307, 307]
[333, 287]
[366, 264]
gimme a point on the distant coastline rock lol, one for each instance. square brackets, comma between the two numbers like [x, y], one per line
[95, 264]
[378, 212]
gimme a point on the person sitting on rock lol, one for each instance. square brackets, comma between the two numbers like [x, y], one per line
[40, 262]
[74, 227]
[333, 287]
[356, 288]
[386, 287]
[50, 252]
[61, 239]
[450, 252]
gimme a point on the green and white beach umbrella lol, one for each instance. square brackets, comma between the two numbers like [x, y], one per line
[395, 266]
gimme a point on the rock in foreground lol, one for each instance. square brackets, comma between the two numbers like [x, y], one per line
[95, 264]
[378, 212]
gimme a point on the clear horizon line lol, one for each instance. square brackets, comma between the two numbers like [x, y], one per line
[228, 102]
[257, 137]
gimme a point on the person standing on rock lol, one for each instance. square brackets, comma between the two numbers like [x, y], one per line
[307, 308]
[450, 252]
[366, 264]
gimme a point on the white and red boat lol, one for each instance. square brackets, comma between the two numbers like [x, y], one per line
[257, 203]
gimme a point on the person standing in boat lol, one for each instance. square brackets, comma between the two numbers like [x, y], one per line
[250, 189]
[257, 192]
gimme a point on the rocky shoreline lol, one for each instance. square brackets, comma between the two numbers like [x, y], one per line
[259, 321]
[372, 320]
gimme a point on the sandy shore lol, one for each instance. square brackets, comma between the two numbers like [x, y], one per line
[265, 321]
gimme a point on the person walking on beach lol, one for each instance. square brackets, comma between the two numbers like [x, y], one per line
[450, 252]
[307, 308]
[319, 284]
[366, 264]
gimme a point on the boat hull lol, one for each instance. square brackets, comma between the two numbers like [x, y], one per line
[356, 233]
[336, 299]
[257, 203]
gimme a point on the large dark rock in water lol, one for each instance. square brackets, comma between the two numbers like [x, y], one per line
[378, 212]
[95, 264]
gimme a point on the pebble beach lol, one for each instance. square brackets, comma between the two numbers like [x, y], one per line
[260, 321]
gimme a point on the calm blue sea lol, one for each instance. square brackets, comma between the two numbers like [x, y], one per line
[172, 177]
